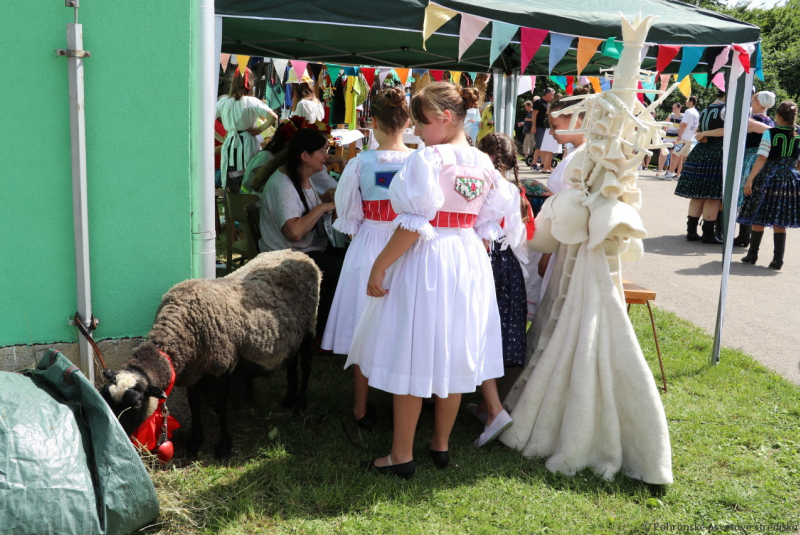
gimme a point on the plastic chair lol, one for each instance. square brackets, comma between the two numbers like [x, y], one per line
[235, 213]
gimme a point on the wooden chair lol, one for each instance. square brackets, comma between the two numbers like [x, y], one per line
[639, 295]
[219, 202]
[235, 213]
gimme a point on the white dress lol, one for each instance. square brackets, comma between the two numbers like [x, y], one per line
[366, 178]
[472, 123]
[437, 331]
[239, 146]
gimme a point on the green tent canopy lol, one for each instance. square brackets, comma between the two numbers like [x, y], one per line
[389, 32]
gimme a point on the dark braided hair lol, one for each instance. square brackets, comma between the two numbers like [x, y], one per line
[787, 110]
[305, 140]
[504, 156]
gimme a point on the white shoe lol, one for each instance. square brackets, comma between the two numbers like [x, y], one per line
[472, 408]
[502, 422]
[669, 176]
[676, 177]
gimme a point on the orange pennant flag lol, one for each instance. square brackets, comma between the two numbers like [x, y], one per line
[435, 17]
[595, 81]
[402, 74]
[586, 49]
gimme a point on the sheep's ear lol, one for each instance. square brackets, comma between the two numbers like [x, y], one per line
[111, 375]
[155, 392]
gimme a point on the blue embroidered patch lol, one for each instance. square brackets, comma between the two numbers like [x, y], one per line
[384, 178]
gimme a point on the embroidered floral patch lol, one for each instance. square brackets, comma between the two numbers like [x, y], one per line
[383, 179]
[469, 188]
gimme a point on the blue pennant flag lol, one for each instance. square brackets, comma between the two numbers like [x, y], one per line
[689, 60]
[759, 70]
[605, 85]
[501, 36]
[559, 44]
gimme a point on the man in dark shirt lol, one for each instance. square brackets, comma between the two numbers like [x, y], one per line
[527, 145]
[540, 108]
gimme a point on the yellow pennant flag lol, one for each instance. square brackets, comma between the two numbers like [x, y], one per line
[685, 86]
[242, 62]
[595, 81]
[586, 49]
[402, 74]
[455, 76]
[435, 17]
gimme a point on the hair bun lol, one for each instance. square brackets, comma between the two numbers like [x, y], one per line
[395, 97]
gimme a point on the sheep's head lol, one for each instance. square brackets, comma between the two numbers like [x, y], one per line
[131, 397]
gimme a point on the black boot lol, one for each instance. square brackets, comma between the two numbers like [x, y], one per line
[780, 246]
[718, 226]
[755, 243]
[691, 228]
[708, 233]
[743, 239]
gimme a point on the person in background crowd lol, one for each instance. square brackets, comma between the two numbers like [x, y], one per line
[540, 108]
[472, 123]
[308, 105]
[526, 124]
[487, 118]
[686, 130]
[219, 139]
[239, 111]
[671, 136]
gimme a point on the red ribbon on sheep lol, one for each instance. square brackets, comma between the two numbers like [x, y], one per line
[147, 434]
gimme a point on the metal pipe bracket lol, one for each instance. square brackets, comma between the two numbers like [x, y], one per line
[73, 53]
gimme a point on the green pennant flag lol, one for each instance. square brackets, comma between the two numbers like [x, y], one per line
[333, 71]
[611, 48]
[701, 78]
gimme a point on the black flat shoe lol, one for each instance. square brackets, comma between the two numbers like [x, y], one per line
[369, 419]
[440, 458]
[405, 470]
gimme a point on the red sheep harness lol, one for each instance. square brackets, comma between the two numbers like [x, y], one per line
[157, 427]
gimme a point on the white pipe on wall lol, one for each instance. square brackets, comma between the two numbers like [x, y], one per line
[204, 72]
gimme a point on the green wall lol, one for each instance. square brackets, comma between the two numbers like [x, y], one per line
[138, 93]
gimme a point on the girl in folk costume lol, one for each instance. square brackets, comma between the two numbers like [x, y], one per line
[239, 111]
[507, 256]
[432, 325]
[773, 186]
[365, 212]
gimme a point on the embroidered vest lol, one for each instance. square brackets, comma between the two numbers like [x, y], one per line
[711, 118]
[465, 188]
[753, 139]
[785, 143]
[374, 181]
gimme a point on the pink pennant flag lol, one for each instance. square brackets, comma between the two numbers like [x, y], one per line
[436, 75]
[721, 59]
[299, 68]
[369, 75]
[530, 39]
[471, 28]
[665, 56]
[664, 82]
[719, 81]
[224, 59]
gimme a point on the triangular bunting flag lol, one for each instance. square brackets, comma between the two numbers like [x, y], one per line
[595, 81]
[223, 60]
[759, 70]
[643, 53]
[530, 41]
[721, 60]
[333, 72]
[639, 95]
[560, 81]
[586, 50]
[383, 74]
[471, 28]
[241, 61]
[664, 82]
[455, 77]
[559, 44]
[501, 36]
[350, 71]
[524, 85]
[533, 83]
[701, 78]
[689, 60]
[369, 75]
[435, 17]
[436, 75]
[685, 86]
[741, 62]
[611, 48]
[402, 74]
[665, 56]
[315, 69]
[719, 81]
[570, 84]
[647, 83]
[473, 76]
[299, 68]
[280, 68]
[605, 85]
[583, 80]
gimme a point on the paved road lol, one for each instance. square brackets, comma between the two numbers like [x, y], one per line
[762, 313]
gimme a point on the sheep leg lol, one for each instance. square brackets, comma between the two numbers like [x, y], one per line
[305, 369]
[290, 401]
[225, 445]
[196, 440]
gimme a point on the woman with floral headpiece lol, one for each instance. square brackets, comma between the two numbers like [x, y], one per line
[239, 111]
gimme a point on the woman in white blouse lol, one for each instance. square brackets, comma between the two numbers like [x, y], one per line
[308, 105]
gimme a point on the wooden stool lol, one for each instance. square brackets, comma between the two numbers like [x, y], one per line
[639, 295]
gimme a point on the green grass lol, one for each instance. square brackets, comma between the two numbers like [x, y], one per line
[734, 432]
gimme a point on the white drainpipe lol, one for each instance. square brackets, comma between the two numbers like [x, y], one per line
[204, 74]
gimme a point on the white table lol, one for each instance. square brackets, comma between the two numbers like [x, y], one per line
[345, 137]
[408, 138]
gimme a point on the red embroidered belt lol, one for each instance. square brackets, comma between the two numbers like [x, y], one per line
[379, 210]
[453, 220]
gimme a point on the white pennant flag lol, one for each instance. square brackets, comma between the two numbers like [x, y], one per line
[524, 85]
[280, 68]
[471, 28]
[383, 74]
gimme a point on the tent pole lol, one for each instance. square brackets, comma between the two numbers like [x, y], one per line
[737, 115]
[499, 101]
[512, 82]
[204, 72]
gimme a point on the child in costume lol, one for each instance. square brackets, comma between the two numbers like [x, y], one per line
[772, 191]
[365, 212]
[431, 326]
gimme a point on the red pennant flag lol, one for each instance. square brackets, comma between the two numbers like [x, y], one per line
[570, 84]
[744, 57]
[530, 41]
[640, 96]
[369, 75]
[436, 75]
[665, 56]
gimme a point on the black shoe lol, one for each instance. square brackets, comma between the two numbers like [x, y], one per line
[780, 246]
[743, 239]
[755, 243]
[369, 419]
[718, 227]
[405, 470]
[709, 236]
[440, 458]
[691, 228]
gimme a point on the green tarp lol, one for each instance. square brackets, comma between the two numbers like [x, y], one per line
[389, 32]
[66, 465]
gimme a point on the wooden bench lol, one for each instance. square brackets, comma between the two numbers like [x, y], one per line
[639, 295]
